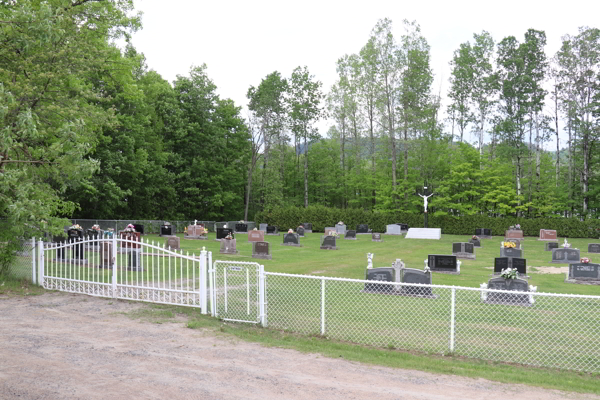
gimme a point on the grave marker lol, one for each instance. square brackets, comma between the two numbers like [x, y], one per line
[340, 228]
[272, 230]
[261, 250]
[517, 285]
[166, 229]
[173, 243]
[241, 228]
[350, 235]
[443, 263]
[223, 232]
[393, 229]
[256, 236]
[362, 229]
[551, 245]
[511, 252]
[328, 243]
[291, 239]
[565, 256]
[376, 237]
[383, 275]
[307, 227]
[263, 227]
[514, 234]
[547, 234]
[139, 228]
[501, 263]
[584, 273]
[411, 275]
[300, 231]
[593, 248]
[483, 233]
[228, 246]
[463, 250]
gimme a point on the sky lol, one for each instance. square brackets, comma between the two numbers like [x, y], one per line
[241, 42]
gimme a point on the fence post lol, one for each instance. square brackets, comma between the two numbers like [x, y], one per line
[40, 277]
[113, 265]
[33, 280]
[202, 285]
[211, 281]
[322, 306]
[262, 296]
[452, 317]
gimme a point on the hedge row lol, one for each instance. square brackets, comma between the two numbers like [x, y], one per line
[321, 217]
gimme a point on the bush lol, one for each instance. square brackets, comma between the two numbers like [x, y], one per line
[321, 217]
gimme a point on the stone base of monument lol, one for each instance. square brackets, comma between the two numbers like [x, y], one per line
[497, 275]
[583, 273]
[328, 248]
[201, 237]
[291, 244]
[424, 233]
[467, 256]
[263, 256]
[417, 291]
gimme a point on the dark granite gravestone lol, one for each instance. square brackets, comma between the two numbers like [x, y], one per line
[513, 234]
[139, 228]
[547, 234]
[594, 248]
[362, 229]
[241, 227]
[166, 230]
[501, 263]
[134, 260]
[228, 246]
[442, 263]
[376, 237]
[261, 250]
[383, 275]
[551, 245]
[475, 242]
[272, 230]
[411, 275]
[328, 243]
[307, 227]
[350, 235]
[173, 242]
[93, 234]
[517, 285]
[403, 227]
[483, 233]
[584, 272]
[300, 231]
[75, 236]
[565, 256]
[256, 236]
[463, 250]
[510, 252]
[223, 232]
[291, 239]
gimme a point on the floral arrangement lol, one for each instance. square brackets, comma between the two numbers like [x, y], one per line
[475, 237]
[229, 237]
[129, 228]
[518, 226]
[509, 244]
[333, 233]
[96, 227]
[566, 244]
[585, 260]
[255, 229]
[340, 223]
[509, 273]
[241, 221]
[111, 229]
[76, 226]
[290, 230]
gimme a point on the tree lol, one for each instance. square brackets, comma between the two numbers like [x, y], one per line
[461, 86]
[305, 109]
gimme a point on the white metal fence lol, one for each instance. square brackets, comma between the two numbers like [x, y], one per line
[540, 329]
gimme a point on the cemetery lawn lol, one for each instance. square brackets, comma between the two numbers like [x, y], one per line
[350, 260]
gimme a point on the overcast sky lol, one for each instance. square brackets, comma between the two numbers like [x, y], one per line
[243, 41]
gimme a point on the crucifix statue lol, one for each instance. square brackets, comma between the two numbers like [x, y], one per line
[425, 201]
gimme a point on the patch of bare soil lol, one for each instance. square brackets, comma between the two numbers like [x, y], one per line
[548, 270]
[62, 346]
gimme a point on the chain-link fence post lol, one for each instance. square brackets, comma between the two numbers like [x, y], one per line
[452, 318]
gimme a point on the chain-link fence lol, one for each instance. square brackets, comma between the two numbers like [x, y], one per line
[150, 226]
[540, 329]
[21, 266]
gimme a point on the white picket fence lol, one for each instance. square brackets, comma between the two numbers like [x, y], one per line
[533, 328]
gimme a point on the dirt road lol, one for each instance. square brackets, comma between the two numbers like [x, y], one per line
[61, 346]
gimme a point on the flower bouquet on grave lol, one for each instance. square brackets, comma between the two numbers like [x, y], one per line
[76, 226]
[509, 244]
[290, 230]
[129, 228]
[334, 234]
[96, 227]
[518, 227]
[229, 237]
[475, 237]
[584, 260]
[509, 273]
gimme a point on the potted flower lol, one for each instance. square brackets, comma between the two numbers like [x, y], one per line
[518, 227]
[584, 260]
[290, 230]
[509, 273]
[475, 237]
[509, 244]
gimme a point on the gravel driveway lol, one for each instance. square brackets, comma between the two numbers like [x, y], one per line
[63, 346]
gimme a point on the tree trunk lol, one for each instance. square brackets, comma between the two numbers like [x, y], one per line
[373, 163]
[530, 180]
[305, 172]
[249, 187]
[538, 158]
[570, 162]
[557, 138]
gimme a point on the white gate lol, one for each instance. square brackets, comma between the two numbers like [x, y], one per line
[125, 269]
[238, 291]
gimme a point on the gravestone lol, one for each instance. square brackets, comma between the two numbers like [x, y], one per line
[291, 239]
[362, 229]
[403, 227]
[241, 228]
[517, 285]
[514, 234]
[475, 242]
[75, 236]
[386, 274]
[501, 263]
[340, 229]
[223, 232]
[196, 232]
[565, 256]
[263, 227]
[107, 254]
[463, 250]
[376, 237]
[443, 263]
[272, 230]
[166, 230]
[483, 233]
[261, 250]
[256, 236]
[173, 242]
[228, 246]
[330, 229]
[511, 252]
[307, 227]
[411, 275]
[584, 272]
[328, 243]
[139, 228]
[393, 229]
[547, 234]
[592, 247]
[350, 235]
[424, 233]
[554, 245]
[93, 234]
[134, 260]
[300, 231]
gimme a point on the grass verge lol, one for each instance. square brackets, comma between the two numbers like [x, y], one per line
[11, 286]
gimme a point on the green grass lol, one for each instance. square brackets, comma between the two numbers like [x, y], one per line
[12, 286]
[449, 364]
